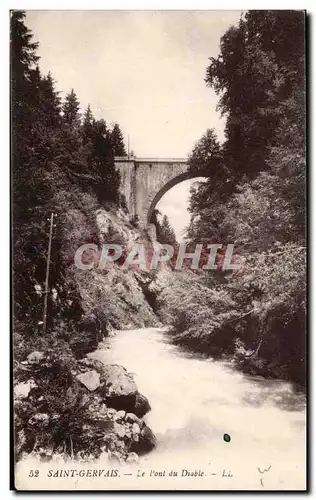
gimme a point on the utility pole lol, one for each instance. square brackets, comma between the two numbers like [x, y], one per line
[47, 271]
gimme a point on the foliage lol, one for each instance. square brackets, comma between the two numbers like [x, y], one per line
[71, 109]
[61, 401]
[254, 197]
[117, 141]
[206, 157]
[61, 163]
[261, 63]
[164, 231]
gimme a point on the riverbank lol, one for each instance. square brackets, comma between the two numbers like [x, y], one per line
[255, 316]
[75, 408]
[246, 361]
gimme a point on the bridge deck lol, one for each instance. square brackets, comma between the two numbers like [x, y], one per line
[135, 159]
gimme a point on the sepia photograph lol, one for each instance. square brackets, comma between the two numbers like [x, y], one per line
[158, 197]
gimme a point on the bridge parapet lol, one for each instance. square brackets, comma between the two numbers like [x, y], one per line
[145, 180]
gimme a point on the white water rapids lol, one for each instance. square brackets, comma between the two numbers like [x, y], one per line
[195, 401]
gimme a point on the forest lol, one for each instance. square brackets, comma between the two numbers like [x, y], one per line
[62, 162]
[254, 197]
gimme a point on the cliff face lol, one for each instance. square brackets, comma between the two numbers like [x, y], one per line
[115, 292]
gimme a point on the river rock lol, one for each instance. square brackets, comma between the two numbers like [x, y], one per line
[118, 382]
[131, 417]
[41, 419]
[23, 389]
[142, 405]
[128, 431]
[97, 409]
[147, 441]
[118, 388]
[135, 428]
[132, 458]
[90, 379]
[119, 430]
[35, 357]
[119, 415]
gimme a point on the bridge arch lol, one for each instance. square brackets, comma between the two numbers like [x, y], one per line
[154, 199]
[144, 181]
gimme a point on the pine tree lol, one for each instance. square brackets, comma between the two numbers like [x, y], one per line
[87, 125]
[166, 232]
[30, 145]
[53, 161]
[117, 141]
[71, 108]
[23, 95]
[28, 135]
[260, 62]
[206, 157]
[50, 102]
[103, 158]
[23, 58]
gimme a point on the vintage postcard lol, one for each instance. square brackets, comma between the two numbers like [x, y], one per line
[159, 247]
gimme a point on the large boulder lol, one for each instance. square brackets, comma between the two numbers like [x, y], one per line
[119, 388]
[132, 458]
[90, 379]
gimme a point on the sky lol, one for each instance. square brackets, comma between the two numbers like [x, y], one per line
[175, 203]
[142, 69]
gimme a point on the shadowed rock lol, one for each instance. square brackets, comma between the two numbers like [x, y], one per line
[146, 441]
[142, 405]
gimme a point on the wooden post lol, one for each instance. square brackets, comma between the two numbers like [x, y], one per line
[47, 271]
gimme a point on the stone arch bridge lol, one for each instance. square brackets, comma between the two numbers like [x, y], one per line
[145, 180]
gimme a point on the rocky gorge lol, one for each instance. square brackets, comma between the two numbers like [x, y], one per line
[67, 403]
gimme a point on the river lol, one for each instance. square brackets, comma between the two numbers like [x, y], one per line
[195, 401]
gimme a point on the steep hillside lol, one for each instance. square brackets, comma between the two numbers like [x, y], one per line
[117, 292]
[65, 404]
